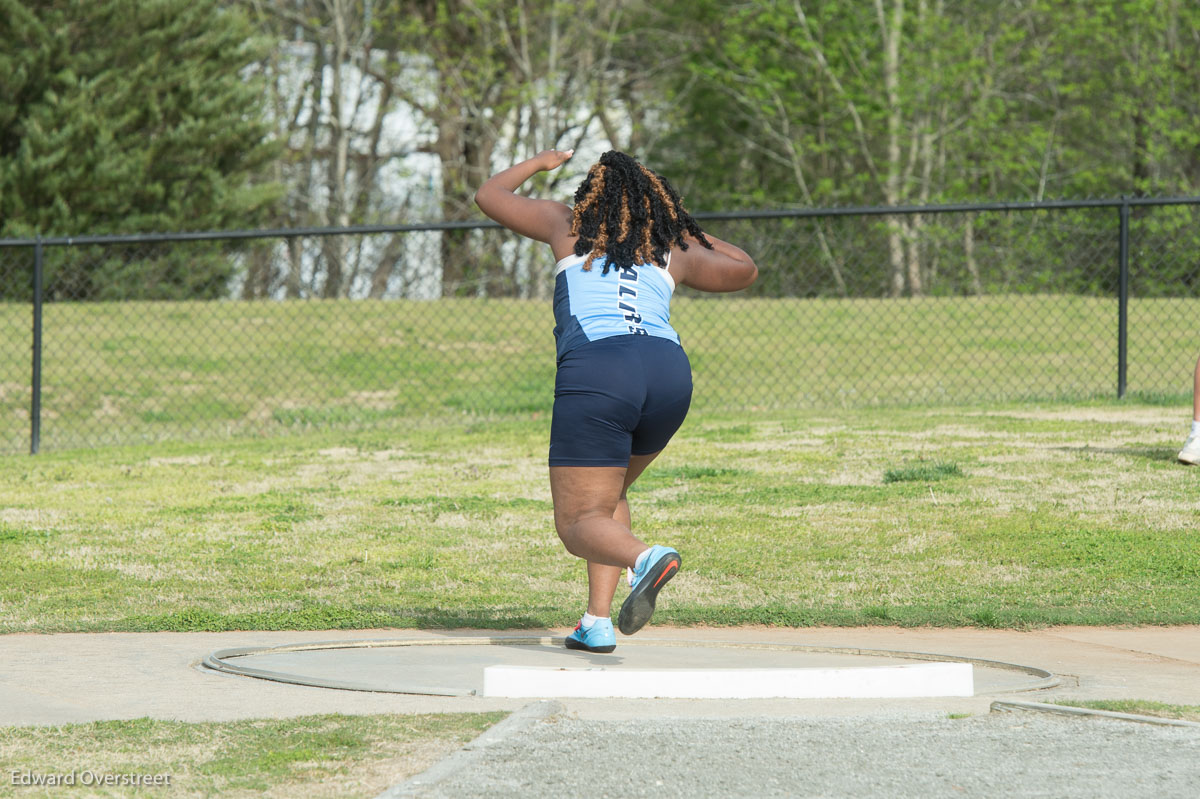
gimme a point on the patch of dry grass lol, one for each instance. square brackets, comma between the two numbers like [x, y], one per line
[315, 756]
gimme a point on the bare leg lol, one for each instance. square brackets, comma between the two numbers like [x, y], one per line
[585, 504]
[1190, 454]
[1196, 393]
[603, 578]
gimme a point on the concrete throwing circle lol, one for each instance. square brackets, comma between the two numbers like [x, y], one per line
[540, 666]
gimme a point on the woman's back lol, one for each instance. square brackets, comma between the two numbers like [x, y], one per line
[598, 302]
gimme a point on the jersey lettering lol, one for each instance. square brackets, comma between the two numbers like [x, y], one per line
[625, 291]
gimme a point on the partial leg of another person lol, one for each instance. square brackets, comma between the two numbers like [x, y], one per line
[1190, 454]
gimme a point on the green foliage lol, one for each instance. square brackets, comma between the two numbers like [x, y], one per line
[126, 116]
[783, 104]
[788, 103]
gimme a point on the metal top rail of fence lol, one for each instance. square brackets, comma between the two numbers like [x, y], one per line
[778, 213]
[875, 305]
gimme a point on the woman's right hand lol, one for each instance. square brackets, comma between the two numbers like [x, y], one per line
[553, 159]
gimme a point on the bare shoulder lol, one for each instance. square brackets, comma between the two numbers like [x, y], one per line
[562, 242]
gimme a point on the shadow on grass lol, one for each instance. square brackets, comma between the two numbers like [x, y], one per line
[1160, 454]
[337, 618]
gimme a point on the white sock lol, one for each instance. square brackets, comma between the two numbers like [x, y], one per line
[641, 561]
[1195, 426]
[588, 619]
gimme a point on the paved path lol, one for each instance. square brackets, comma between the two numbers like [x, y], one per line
[897, 755]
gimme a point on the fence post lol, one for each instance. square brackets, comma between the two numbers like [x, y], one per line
[35, 410]
[1123, 304]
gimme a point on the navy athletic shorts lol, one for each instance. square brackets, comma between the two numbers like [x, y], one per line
[616, 397]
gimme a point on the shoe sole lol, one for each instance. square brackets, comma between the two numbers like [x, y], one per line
[639, 605]
[1189, 460]
[572, 643]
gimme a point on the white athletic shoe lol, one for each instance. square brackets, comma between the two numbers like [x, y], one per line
[1190, 454]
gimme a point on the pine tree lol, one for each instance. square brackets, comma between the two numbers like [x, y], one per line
[131, 116]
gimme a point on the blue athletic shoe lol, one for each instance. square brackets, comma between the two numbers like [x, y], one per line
[597, 638]
[660, 565]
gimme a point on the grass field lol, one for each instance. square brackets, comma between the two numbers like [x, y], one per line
[1002, 516]
[140, 372]
[366, 465]
[313, 756]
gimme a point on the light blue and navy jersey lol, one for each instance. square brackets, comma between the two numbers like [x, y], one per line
[590, 305]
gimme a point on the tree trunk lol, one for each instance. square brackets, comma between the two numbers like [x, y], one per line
[386, 266]
[969, 252]
[890, 30]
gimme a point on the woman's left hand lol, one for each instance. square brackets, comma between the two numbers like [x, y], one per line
[553, 159]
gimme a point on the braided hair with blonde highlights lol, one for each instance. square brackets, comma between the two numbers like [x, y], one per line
[628, 214]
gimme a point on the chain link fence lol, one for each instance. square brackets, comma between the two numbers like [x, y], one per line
[127, 339]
